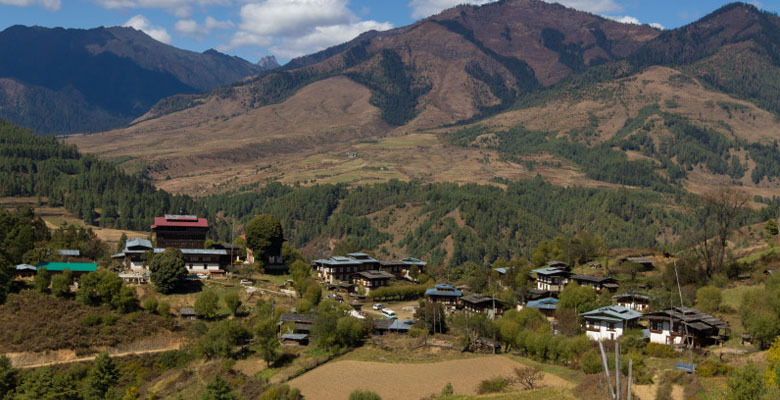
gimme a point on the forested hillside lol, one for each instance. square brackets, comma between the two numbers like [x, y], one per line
[489, 223]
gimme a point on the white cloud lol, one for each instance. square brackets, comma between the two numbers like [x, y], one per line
[296, 27]
[51, 5]
[426, 8]
[323, 37]
[179, 8]
[189, 27]
[140, 23]
[626, 19]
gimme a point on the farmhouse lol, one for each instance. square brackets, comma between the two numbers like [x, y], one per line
[383, 326]
[682, 325]
[196, 260]
[609, 323]
[645, 262]
[294, 339]
[546, 306]
[77, 269]
[445, 295]
[371, 280]
[553, 279]
[24, 271]
[343, 268]
[635, 301]
[296, 323]
[187, 313]
[598, 283]
[180, 231]
[483, 304]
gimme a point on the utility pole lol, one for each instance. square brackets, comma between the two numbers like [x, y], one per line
[606, 368]
[618, 389]
[628, 391]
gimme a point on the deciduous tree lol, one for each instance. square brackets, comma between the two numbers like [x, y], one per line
[168, 270]
[264, 236]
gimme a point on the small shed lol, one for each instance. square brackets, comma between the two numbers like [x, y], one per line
[187, 313]
[294, 339]
[25, 271]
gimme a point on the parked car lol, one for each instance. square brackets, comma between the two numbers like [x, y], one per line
[245, 282]
[378, 306]
[202, 276]
[334, 296]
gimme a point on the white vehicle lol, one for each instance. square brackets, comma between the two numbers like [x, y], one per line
[245, 282]
[378, 306]
[388, 313]
[202, 276]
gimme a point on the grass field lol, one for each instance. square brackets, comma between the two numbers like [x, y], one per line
[404, 381]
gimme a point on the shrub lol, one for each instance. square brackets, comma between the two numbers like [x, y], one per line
[660, 350]
[281, 392]
[163, 309]
[493, 385]
[364, 395]
[708, 298]
[447, 390]
[591, 363]
[528, 377]
[150, 305]
[91, 320]
[712, 367]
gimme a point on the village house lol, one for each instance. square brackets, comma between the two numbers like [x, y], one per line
[25, 271]
[274, 261]
[342, 268]
[208, 261]
[610, 322]
[598, 283]
[445, 295]
[77, 269]
[371, 280]
[552, 279]
[180, 231]
[384, 326]
[546, 306]
[295, 323]
[187, 313]
[680, 326]
[635, 301]
[294, 339]
[483, 304]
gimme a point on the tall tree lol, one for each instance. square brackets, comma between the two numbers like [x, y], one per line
[101, 378]
[264, 236]
[168, 270]
[7, 378]
[207, 304]
[42, 280]
[714, 217]
[267, 343]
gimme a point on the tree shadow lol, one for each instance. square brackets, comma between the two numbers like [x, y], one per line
[284, 359]
[189, 287]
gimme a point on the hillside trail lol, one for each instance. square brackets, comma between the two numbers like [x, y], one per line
[91, 358]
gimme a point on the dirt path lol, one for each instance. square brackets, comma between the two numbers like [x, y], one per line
[336, 380]
[90, 358]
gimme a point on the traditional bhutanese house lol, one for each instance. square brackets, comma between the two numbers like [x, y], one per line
[553, 279]
[294, 339]
[598, 283]
[444, 294]
[77, 269]
[297, 323]
[556, 264]
[546, 306]
[487, 345]
[134, 277]
[337, 269]
[384, 326]
[187, 313]
[402, 268]
[645, 262]
[684, 325]
[536, 294]
[367, 261]
[180, 231]
[609, 323]
[635, 301]
[208, 261]
[25, 271]
[67, 254]
[483, 304]
[371, 280]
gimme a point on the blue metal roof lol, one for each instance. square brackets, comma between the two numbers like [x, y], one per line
[216, 252]
[549, 271]
[685, 367]
[71, 253]
[23, 267]
[437, 292]
[401, 325]
[610, 313]
[137, 242]
[294, 336]
[444, 286]
[550, 303]
[414, 261]
[338, 260]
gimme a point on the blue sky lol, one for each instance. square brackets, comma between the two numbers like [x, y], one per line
[289, 28]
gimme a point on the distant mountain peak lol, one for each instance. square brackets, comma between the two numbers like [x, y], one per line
[268, 63]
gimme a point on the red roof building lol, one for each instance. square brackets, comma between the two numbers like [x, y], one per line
[180, 231]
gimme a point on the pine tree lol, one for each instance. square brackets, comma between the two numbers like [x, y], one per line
[102, 378]
[218, 389]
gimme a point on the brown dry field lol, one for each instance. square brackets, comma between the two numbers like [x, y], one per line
[336, 380]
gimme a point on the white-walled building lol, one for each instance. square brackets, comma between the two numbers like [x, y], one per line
[681, 325]
[610, 322]
[635, 301]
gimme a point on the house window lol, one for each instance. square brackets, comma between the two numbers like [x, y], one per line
[611, 326]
